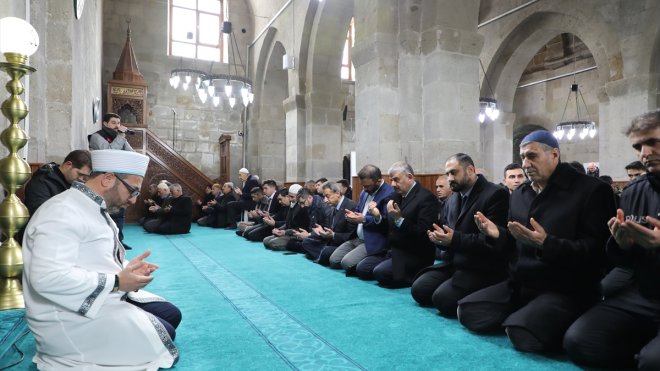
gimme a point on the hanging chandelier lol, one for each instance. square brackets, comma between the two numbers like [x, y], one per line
[583, 128]
[210, 85]
[487, 106]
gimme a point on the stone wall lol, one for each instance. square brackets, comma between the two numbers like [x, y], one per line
[195, 132]
[67, 80]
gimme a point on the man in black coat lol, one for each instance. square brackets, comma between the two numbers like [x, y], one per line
[52, 179]
[325, 239]
[410, 214]
[177, 215]
[623, 330]
[469, 264]
[556, 232]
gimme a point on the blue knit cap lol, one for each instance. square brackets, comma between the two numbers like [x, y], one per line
[540, 136]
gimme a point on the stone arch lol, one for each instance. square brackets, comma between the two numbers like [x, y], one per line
[526, 38]
[268, 126]
[523, 39]
[323, 93]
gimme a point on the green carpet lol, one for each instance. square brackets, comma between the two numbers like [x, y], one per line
[247, 308]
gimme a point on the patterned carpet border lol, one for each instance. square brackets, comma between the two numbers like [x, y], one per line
[297, 345]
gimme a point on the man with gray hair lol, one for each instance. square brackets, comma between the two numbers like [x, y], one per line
[555, 236]
[410, 214]
[177, 215]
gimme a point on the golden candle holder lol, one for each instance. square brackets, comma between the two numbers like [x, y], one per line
[14, 172]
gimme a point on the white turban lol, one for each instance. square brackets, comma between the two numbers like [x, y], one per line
[294, 189]
[120, 162]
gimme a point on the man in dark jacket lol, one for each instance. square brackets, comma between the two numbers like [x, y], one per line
[623, 330]
[324, 240]
[271, 220]
[52, 179]
[556, 232]
[468, 263]
[177, 215]
[410, 214]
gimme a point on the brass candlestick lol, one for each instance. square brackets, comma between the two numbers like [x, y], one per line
[14, 172]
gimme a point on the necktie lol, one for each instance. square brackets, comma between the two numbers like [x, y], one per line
[463, 202]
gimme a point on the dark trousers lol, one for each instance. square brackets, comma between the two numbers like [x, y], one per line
[622, 331]
[258, 233]
[443, 286]
[324, 256]
[167, 313]
[365, 268]
[534, 320]
[313, 246]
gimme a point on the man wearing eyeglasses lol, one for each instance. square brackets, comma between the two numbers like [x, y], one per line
[78, 284]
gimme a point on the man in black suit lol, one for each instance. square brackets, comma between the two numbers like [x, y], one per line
[177, 215]
[410, 213]
[468, 263]
[324, 240]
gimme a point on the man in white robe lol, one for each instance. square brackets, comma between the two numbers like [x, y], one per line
[75, 279]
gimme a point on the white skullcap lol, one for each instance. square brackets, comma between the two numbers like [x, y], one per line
[244, 171]
[294, 189]
[118, 161]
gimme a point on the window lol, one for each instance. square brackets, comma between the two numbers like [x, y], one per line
[347, 69]
[195, 29]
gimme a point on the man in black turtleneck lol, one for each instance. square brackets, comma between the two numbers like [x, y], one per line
[111, 135]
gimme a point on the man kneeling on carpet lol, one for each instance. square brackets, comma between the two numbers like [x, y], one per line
[83, 300]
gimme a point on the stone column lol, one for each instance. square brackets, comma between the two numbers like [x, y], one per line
[323, 132]
[376, 58]
[294, 108]
[67, 80]
[450, 45]
[626, 98]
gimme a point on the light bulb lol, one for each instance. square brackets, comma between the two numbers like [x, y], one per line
[207, 82]
[482, 117]
[188, 79]
[496, 114]
[228, 89]
[216, 100]
[203, 97]
[184, 85]
[489, 110]
[245, 95]
[232, 101]
[211, 90]
[18, 36]
[584, 132]
[174, 82]
[559, 133]
[251, 97]
[592, 132]
[571, 133]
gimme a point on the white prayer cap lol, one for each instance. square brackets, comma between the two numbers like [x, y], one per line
[118, 161]
[244, 171]
[294, 189]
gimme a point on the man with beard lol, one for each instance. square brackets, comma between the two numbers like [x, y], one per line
[555, 236]
[468, 263]
[84, 302]
[111, 135]
[410, 213]
[623, 330]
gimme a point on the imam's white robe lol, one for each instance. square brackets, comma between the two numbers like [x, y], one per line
[70, 261]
